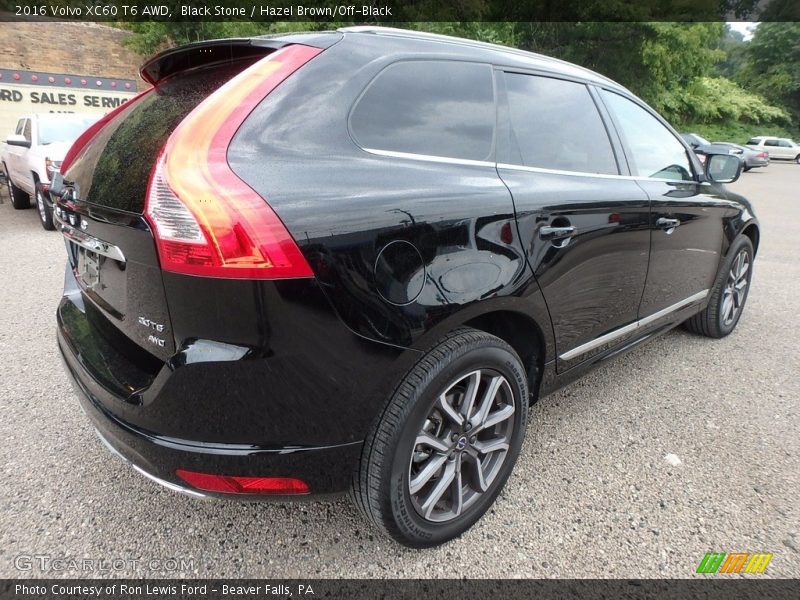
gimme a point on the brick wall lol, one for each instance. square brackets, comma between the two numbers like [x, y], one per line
[79, 48]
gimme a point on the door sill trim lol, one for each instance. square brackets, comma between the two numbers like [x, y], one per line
[624, 330]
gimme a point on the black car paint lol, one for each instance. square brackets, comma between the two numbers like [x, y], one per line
[285, 378]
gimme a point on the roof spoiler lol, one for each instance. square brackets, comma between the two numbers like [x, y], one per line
[210, 52]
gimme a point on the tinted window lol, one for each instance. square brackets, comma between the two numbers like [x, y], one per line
[556, 125]
[753, 141]
[771, 142]
[115, 167]
[654, 150]
[428, 107]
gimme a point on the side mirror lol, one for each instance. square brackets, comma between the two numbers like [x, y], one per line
[18, 140]
[723, 168]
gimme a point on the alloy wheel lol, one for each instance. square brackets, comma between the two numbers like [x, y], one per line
[462, 445]
[733, 296]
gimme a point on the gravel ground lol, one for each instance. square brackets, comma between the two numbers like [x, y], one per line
[597, 491]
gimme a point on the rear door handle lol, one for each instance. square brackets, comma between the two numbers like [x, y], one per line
[548, 232]
[666, 224]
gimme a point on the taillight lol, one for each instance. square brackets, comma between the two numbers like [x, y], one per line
[51, 167]
[230, 484]
[83, 139]
[205, 219]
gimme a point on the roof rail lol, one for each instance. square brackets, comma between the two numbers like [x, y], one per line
[438, 37]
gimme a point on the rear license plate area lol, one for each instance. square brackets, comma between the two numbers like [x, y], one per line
[88, 267]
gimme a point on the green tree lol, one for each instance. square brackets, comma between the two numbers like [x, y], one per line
[772, 64]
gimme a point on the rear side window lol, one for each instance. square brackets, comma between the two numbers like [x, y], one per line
[753, 141]
[654, 151]
[771, 143]
[557, 126]
[435, 108]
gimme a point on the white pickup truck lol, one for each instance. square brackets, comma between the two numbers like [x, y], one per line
[34, 152]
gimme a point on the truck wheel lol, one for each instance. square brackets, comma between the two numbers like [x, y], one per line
[44, 208]
[19, 199]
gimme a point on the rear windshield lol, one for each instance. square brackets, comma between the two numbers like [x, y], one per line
[63, 128]
[114, 169]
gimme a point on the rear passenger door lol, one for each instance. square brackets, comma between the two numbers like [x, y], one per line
[772, 148]
[582, 220]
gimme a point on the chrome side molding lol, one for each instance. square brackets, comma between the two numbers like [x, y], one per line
[626, 329]
[84, 240]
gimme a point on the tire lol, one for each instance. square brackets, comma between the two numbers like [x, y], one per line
[19, 199]
[430, 513]
[797, 159]
[44, 208]
[729, 293]
[746, 168]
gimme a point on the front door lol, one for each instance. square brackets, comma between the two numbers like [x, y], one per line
[685, 214]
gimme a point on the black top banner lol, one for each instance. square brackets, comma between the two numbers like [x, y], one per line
[400, 11]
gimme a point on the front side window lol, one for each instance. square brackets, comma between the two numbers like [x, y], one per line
[20, 127]
[654, 151]
[435, 108]
[556, 125]
[784, 144]
[27, 130]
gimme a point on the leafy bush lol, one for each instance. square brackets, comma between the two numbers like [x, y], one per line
[717, 99]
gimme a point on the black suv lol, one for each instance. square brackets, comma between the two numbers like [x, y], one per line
[350, 260]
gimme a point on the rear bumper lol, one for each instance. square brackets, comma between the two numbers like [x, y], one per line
[287, 409]
[327, 470]
[757, 162]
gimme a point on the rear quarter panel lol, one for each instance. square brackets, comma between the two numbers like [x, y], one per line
[460, 255]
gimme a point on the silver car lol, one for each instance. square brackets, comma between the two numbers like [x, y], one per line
[776, 147]
[752, 157]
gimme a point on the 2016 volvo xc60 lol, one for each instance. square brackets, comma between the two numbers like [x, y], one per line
[350, 260]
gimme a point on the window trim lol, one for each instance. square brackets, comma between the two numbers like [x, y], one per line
[491, 159]
[613, 139]
[694, 162]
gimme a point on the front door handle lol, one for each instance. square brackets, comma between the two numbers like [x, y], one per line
[548, 232]
[667, 224]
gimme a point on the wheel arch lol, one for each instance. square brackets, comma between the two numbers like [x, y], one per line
[523, 334]
[752, 231]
